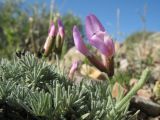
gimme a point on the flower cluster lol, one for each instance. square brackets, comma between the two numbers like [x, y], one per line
[55, 38]
[101, 40]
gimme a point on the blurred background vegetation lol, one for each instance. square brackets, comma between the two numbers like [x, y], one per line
[28, 28]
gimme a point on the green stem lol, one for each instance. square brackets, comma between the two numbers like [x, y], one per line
[132, 91]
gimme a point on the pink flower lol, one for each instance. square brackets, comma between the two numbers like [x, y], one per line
[98, 37]
[80, 45]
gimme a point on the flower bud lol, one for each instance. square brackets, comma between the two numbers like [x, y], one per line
[52, 31]
[74, 67]
[61, 31]
[49, 41]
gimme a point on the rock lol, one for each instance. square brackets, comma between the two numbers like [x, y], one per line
[146, 94]
[72, 55]
[147, 106]
[92, 72]
[154, 118]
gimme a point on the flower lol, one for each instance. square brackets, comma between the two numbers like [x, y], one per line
[98, 37]
[80, 45]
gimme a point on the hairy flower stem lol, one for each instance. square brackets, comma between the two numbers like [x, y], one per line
[58, 46]
[133, 91]
[96, 63]
[108, 68]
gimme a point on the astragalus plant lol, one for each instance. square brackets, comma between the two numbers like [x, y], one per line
[32, 89]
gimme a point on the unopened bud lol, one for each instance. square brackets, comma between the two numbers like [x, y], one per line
[61, 31]
[59, 38]
[49, 41]
[74, 67]
[52, 31]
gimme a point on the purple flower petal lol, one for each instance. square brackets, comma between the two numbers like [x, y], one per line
[97, 23]
[78, 41]
[97, 42]
[110, 45]
[60, 24]
[103, 43]
[93, 25]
